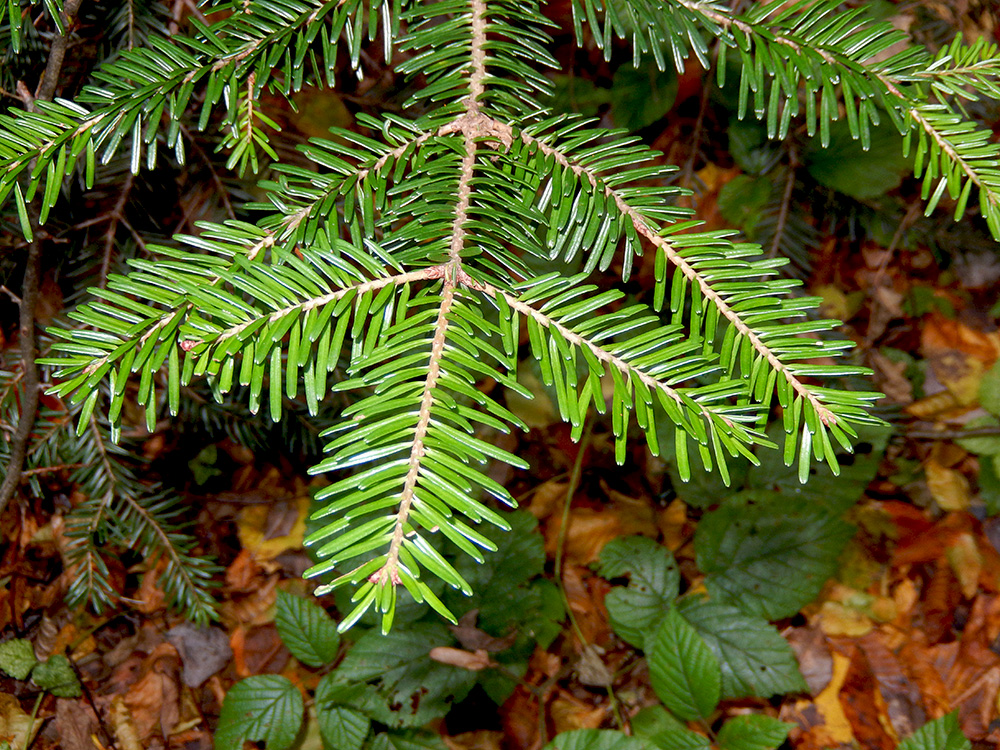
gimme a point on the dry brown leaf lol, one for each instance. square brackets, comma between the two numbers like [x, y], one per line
[864, 707]
[519, 718]
[74, 724]
[838, 619]
[270, 529]
[474, 661]
[547, 498]
[569, 712]
[902, 703]
[940, 599]
[837, 727]
[813, 655]
[149, 598]
[940, 334]
[154, 700]
[890, 378]
[591, 669]
[585, 594]
[473, 639]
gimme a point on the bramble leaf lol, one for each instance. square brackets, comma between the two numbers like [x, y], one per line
[654, 581]
[684, 671]
[266, 708]
[306, 630]
[765, 557]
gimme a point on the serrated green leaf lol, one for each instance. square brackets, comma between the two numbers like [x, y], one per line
[641, 96]
[499, 584]
[413, 687]
[940, 734]
[847, 167]
[752, 732]
[56, 675]
[755, 661]
[767, 556]
[17, 658]
[266, 708]
[343, 728]
[414, 740]
[662, 731]
[684, 672]
[306, 630]
[654, 581]
[595, 739]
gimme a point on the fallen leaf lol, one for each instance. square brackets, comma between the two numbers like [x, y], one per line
[74, 724]
[203, 651]
[270, 529]
[569, 712]
[902, 700]
[15, 723]
[836, 618]
[124, 728]
[591, 669]
[949, 487]
[154, 700]
[481, 739]
[966, 563]
[474, 661]
[473, 639]
[864, 707]
[835, 722]
[813, 655]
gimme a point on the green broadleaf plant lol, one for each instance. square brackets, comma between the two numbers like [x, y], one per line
[397, 264]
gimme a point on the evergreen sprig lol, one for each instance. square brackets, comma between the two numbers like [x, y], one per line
[405, 263]
[118, 510]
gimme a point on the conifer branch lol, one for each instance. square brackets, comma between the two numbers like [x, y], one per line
[665, 246]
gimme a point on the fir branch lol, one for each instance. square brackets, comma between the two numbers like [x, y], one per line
[664, 245]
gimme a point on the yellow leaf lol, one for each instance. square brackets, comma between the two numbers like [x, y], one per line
[828, 702]
[15, 722]
[948, 487]
[271, 529]
[967, 563]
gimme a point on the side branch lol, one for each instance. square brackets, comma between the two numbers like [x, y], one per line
[434, 272]
[663, 244]
[581, 342]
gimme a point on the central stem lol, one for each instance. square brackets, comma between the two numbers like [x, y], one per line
[465, 124]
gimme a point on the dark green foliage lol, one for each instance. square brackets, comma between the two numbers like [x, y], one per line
[766, 557]
[684, 672]
[263, 707]
[941, 734]
[307, 630]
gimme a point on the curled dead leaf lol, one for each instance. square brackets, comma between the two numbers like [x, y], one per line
[474, 661]
[124, 728]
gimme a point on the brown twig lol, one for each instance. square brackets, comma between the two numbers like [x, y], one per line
[29, 286]
[975, 432]
[786, 202]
